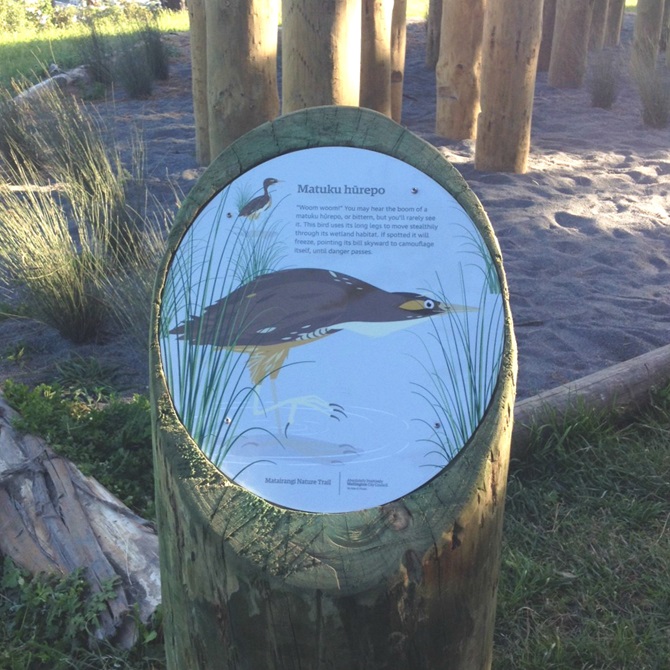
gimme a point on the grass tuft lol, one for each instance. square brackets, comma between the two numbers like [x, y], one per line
[604, 79]
[653, 84]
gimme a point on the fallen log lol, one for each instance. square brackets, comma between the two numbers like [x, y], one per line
[53, 519]
[623, 390]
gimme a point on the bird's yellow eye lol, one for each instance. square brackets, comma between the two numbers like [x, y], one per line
[417, 304]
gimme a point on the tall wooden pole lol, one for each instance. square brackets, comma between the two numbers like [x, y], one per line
[398, 49]
[198, 37]
[321, 53]
[598, 25]
[433, 27]
[571, 43]
[548, 19]
[615, 12]
[648, 28]
[458, 69]
[375, 84]
[248, 585]
[512, 34]
[241, 67]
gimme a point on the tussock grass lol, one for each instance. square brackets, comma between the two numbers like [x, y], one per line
[604, 78]
[74, 245]
[653, 84]
[587, 549]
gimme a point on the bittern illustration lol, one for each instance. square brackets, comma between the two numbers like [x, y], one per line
[275, 312]
[253, 208]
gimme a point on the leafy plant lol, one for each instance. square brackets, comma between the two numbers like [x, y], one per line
[110, 441]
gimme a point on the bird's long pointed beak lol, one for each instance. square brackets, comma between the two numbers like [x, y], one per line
[448, 308]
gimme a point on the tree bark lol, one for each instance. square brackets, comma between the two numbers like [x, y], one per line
[665, 30]
[198, 36]
[647, 34]
[375, 92]
[512, 33]
[241, 67]
[548, 20]
[615, 12]
[410, 584]
[398, 48]
[433, 27]
[53, 519]
[598, 25]
[458, 69]
[321, 53]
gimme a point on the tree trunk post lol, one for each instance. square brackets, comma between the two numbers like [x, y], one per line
[615, 12]
[398, 48]
[458, 69]
[571, 41]
[648, 28]
[198, 37]
[512, 34]
[433, 27]
[376, 21]
[321, 53]
[411, 583]
[665, 30]
[241, 68]
[598, 25]
[548, 20]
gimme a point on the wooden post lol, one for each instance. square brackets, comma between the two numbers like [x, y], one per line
[408, 584]
[665, 31]
[198, 37]
[321, 53]
[548, 19]
[615, 12]
[570, 46]
[512, 33]
[375, 91]
[648, 27]
[458, 69]
[398, 48]
[241, 67]
[433, 27]
[598, 25]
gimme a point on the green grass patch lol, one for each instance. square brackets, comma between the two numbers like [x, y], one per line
[587, 549]
[26, 53]
[107, 437]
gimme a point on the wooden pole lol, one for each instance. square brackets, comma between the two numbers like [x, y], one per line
[409, 584]
[548, 19]
[623, 390]
[512, 33]
[433, 27]
[375, 87]
[665, 30]
[570, 46]
[598, 25]
[198, 37]
[398, 48]
[458, 69]
[321, 53]
[241, 67]
[647, 34]
[615, 12]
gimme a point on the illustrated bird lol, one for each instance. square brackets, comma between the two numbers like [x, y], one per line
[275, 312]
[257, 205]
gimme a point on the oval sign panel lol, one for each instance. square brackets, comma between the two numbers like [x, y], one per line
[331, 329]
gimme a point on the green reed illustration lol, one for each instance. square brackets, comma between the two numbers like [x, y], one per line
[210, 385]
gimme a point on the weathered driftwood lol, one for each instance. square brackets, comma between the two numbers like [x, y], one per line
[622, 390]
[60, 80]
[54, 519]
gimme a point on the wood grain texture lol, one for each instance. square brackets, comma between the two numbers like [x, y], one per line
[321, 53]
[410, 584]
[458, 69]
[512, 34]
[198, 39]
[375, 83]
[398, 49]
[241, 67]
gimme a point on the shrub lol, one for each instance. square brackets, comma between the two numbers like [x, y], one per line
[604, 79]
[653, 85]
